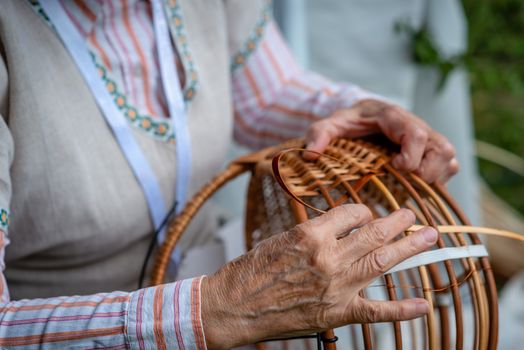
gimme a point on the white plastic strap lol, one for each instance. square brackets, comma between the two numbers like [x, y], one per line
[437, 255]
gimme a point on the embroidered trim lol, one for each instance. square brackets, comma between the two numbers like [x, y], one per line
[35, 4]
[4, 219]
[153, 126]
[254, 38]
[180, 36]
[158, 129]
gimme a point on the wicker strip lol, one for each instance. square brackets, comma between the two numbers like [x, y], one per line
[285, 190]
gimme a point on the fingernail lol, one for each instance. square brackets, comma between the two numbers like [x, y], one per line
[421, 307]
[430, 234]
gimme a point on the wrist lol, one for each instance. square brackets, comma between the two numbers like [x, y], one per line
[217, 322]
[230, 309]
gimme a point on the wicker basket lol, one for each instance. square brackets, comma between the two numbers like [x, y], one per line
[358, 171]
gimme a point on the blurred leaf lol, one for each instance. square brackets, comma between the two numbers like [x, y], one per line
[424, 52]
[495, 61]
[496, 64]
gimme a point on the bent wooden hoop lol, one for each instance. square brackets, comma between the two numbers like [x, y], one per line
[356, 171]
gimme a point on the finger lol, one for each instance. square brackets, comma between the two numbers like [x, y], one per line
[338, 221]
[376, 234]
[437, 159]
[407, 131]
[412, 146]
[381, 260]
[372, 311]
[431, 167]
[318, 136]
[453, 168]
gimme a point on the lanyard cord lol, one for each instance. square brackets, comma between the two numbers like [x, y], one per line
[143, 271]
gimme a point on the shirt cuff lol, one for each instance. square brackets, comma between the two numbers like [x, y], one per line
[166, 317]
[351, 94]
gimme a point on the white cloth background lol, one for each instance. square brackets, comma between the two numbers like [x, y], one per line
[355, 40]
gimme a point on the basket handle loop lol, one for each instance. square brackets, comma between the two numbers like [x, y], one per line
[179, 224]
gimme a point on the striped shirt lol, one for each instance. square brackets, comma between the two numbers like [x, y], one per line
[274, 100]
[151, 318]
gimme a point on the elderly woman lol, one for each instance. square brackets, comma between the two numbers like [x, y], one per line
[111, 112]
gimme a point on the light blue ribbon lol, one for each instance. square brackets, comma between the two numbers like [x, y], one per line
[134, 155]
[175, 102]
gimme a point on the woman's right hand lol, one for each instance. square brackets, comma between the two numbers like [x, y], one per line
[308, 279]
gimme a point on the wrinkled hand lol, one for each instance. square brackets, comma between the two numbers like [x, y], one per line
[423, 150]
[308, 279]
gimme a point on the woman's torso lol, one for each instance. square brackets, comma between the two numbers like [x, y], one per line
[79, 220]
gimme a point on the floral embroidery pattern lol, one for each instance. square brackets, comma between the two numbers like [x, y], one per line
[40, 11]
[4, 219]
[180, 37]
[254, 38]
[158, 128]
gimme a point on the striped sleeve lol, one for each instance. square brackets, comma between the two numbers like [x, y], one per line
[166, 317]
[275, 99]
[162, 317]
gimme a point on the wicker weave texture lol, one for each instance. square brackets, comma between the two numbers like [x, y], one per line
[461, 293]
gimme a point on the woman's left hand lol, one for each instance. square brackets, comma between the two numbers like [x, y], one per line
[422, 149]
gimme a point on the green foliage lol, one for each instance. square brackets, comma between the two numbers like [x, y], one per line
[496, 64]
[496, 41]
[495, 60]
[424, 52]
